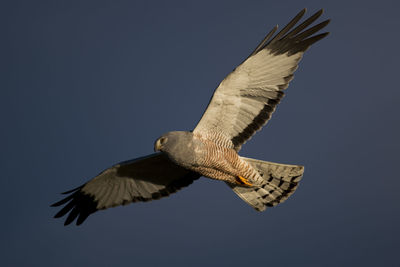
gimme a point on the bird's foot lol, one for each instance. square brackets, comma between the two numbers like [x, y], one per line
[243, 181]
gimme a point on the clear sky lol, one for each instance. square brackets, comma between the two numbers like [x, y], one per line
[86, 84]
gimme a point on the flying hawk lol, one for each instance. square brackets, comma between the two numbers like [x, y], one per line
[243, 102]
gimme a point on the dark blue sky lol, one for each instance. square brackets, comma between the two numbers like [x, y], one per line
[86, 84]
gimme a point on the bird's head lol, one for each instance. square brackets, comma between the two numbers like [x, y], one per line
[170, 141]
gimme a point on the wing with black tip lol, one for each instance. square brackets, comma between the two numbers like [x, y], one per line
[143, 179]
[245, 100]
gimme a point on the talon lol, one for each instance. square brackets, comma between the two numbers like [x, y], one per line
[244, 181]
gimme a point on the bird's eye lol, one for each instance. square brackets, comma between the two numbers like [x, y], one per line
[163, 140]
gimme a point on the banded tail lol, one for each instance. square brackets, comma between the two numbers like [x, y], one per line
[281, 180]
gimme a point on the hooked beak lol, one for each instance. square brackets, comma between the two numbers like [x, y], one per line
[157, 145]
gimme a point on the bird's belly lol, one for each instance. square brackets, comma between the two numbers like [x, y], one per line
[214, 173]
[219, 163]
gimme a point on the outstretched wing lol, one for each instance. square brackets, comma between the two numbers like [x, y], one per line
[141, 179]
[245, 100]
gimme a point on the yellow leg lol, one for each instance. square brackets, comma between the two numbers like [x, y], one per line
[243, 180]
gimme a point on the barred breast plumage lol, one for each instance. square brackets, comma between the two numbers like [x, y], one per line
[221, 162]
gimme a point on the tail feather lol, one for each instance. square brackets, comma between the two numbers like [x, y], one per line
[281, 180]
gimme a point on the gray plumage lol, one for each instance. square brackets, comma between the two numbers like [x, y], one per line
[242, 103]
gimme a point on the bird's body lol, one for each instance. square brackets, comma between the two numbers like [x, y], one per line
[241, 105]
[215, 160]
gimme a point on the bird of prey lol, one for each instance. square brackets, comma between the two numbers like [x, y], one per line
[241, 105]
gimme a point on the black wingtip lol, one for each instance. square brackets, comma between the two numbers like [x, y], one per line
[78, 205]
[319, 12]
[269, 39]
[293, 39]
[322, 24]
[265, 40]
[72, 190]
[62, 201]
[328, 21]
[320, 36]
[82, 217]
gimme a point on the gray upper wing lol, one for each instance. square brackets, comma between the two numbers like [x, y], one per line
[245, 100]
[141, 179]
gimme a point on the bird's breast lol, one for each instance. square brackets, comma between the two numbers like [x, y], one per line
[188, 154]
